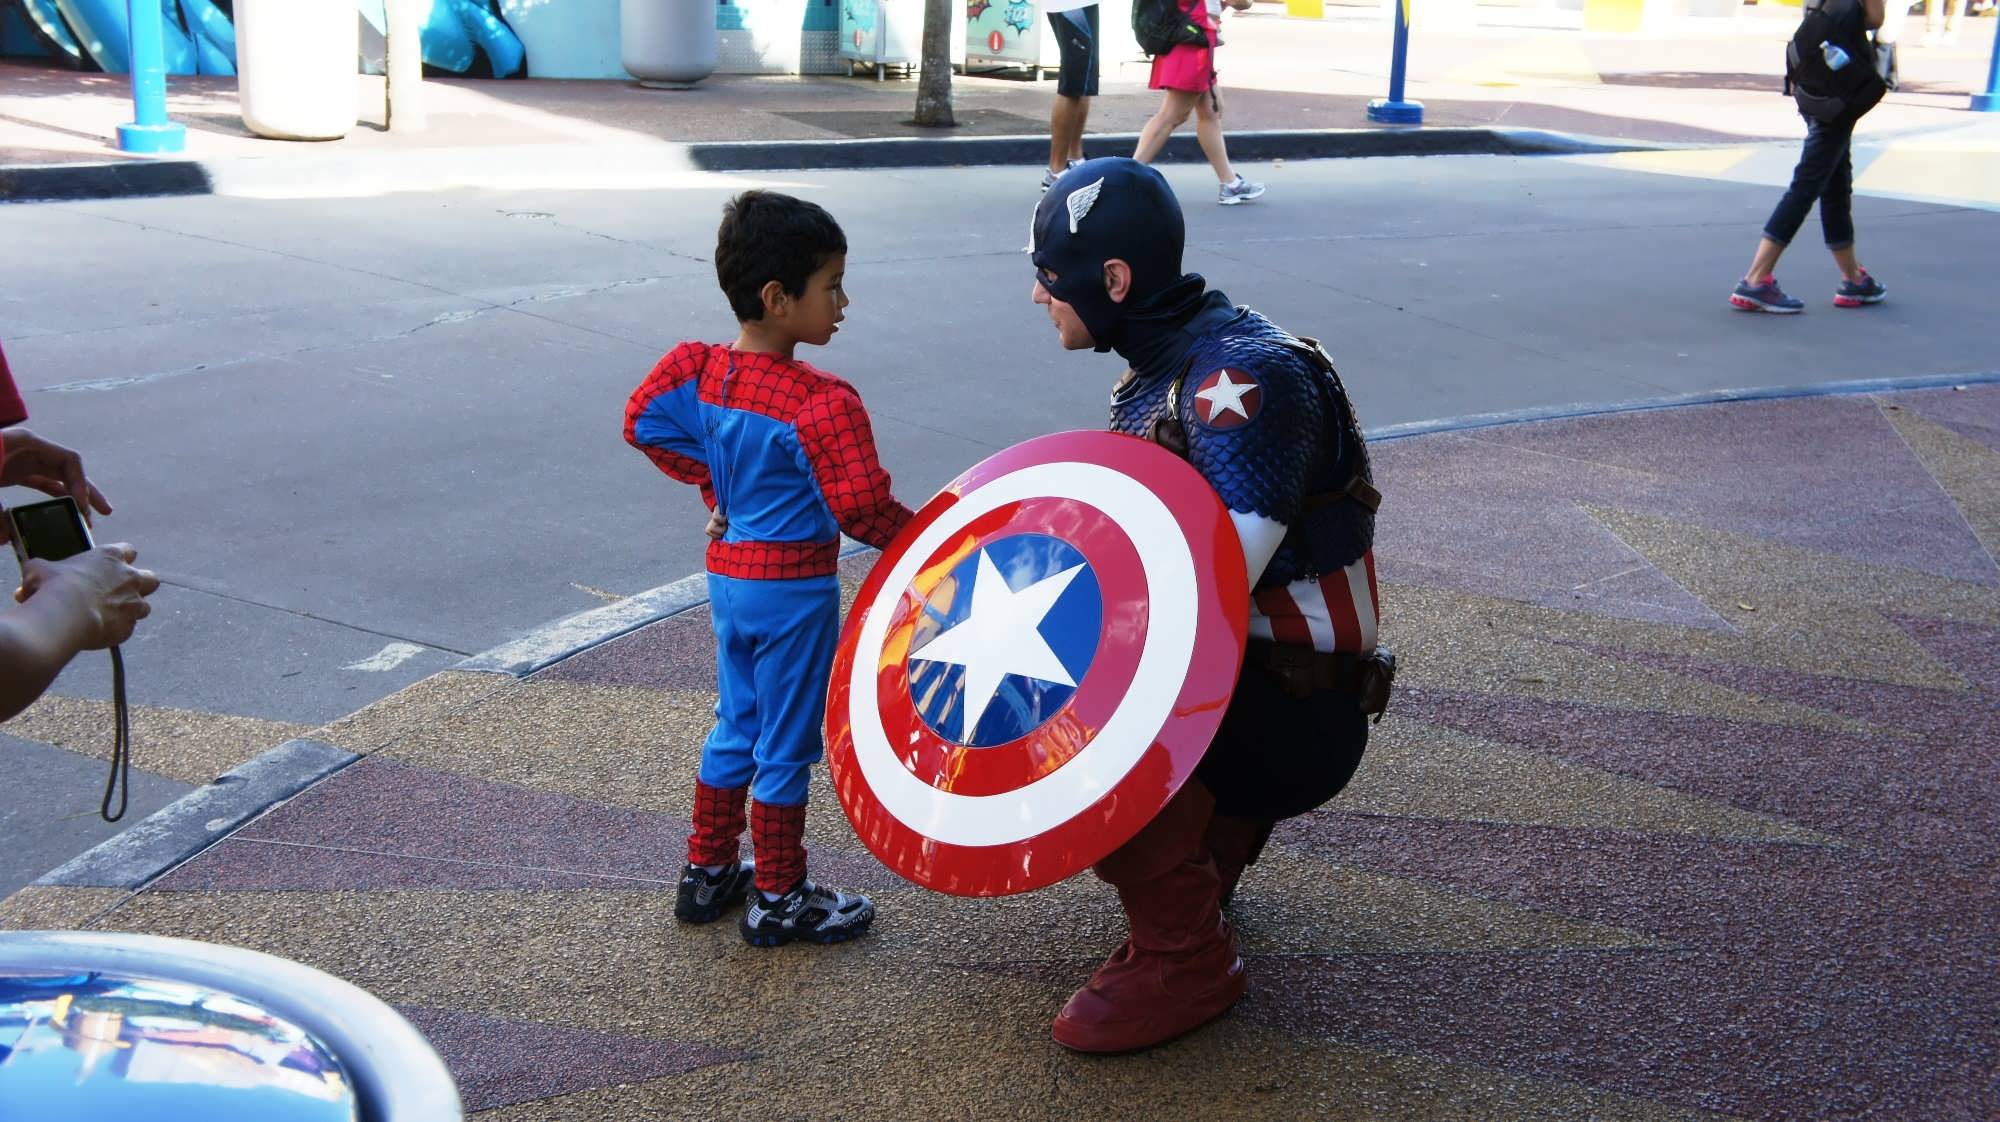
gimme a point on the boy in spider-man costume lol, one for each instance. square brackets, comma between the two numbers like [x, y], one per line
[1261, 414]
[786, 462]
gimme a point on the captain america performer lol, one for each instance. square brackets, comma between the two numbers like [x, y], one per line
[1266, 421]
[785, 459]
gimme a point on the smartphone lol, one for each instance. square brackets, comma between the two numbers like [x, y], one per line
[48, 531]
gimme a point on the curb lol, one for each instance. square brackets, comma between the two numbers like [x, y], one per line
[574, 634]
[122, 180]
[1677, 401]
[1294, 144]
[199, 819]
[323, 173]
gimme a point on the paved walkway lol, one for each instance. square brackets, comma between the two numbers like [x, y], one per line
[1702, 81]
[1682, 812]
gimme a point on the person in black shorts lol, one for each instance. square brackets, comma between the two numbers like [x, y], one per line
[1076, 83]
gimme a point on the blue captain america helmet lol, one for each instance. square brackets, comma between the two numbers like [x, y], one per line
[1113, 207]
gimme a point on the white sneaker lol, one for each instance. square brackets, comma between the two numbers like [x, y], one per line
[1240, 191]
[1049, 177]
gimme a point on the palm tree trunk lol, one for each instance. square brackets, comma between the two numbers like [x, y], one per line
[934, 75]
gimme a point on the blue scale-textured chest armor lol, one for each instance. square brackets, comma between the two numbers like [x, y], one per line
[1302, 447]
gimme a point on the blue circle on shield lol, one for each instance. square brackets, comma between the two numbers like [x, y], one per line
[1004, 639]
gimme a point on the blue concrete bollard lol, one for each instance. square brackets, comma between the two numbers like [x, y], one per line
[1394, 110]
[150, 131]
[1989, 102]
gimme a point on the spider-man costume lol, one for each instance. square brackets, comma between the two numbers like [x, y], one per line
[12, 412]
[786, 452]
[1266, 421]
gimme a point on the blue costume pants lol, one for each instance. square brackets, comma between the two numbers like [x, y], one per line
[774, 643]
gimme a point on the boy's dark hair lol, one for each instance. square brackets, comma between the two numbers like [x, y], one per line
[765, 237]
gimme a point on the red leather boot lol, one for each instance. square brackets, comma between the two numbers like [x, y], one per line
[1179, 968]
[1236, 844]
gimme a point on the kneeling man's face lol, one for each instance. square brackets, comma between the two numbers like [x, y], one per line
[1070, 331]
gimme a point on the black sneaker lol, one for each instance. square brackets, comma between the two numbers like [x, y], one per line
[809, 912]
[704, 896]
[1764, 297]
[1855, 293]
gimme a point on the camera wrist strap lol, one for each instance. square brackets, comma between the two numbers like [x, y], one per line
[120, 780]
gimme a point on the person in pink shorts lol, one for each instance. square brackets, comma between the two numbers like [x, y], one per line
[1187, 74]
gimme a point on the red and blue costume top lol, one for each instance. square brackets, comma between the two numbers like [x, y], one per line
[782, 448]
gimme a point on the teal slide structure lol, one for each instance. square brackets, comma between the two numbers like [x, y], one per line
[214, 37]
[50, 29]
[455, 32]
[102, 28]
[200, 35]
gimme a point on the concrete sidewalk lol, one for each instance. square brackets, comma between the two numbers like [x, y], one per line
[1681, 813]
[1702, 82]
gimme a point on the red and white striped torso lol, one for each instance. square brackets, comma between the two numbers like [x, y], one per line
[1337, 612]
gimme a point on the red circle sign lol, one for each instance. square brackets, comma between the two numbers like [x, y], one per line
[1036, 664]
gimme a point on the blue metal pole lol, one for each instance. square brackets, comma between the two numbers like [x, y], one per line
[1989, 102]
[150, 131]
[1394, 110]
[1399, 55]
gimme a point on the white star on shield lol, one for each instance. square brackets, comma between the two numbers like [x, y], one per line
[1000, 636]
[1226, 396]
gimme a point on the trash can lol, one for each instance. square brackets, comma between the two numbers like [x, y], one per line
[295, 68]
[667, 44]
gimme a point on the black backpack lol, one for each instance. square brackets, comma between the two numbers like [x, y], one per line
[1161, 25]
[1824, 93]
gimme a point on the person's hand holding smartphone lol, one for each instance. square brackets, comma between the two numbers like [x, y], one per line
[58, 559]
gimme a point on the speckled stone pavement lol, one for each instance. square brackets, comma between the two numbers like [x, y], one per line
[1685, 810]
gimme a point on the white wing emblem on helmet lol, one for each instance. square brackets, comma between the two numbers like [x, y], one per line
[1080, 201]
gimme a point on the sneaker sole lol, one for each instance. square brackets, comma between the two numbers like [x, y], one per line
[706, 915]
[1857, 301]
[1235, 199]
[817, 938]
[1745, 304]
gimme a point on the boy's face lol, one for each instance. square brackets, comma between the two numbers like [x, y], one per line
[816, 314]
[1070, 331]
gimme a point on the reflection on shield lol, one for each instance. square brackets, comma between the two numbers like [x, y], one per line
[1036, 664]
[1003, 640]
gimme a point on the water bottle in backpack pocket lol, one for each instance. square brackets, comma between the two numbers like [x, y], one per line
[1819, 70]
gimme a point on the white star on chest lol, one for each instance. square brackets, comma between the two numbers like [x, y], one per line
[1226, 396]
[1000, 636]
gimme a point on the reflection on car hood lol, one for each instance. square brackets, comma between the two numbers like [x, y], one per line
[91, 1046]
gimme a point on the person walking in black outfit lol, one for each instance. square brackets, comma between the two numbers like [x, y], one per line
[1825, 174]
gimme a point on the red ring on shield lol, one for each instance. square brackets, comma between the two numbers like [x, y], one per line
[959, 769]
[1020, 815]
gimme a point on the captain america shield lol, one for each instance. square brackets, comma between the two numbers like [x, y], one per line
[1036, 664]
